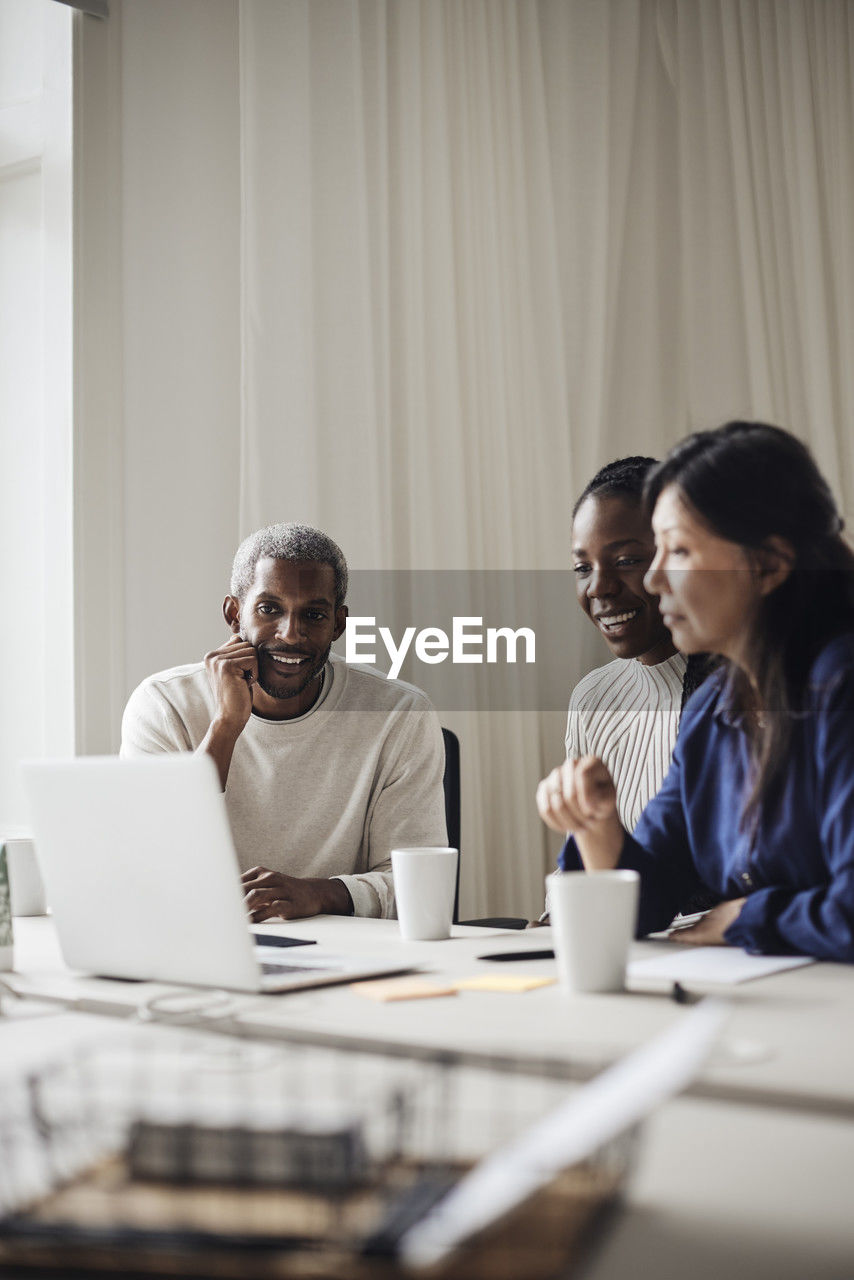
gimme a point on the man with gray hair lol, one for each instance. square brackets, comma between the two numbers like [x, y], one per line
[325, 767]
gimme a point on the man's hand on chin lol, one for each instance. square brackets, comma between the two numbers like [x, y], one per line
[271, 895]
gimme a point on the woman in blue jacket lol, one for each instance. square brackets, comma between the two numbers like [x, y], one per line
[758, 805]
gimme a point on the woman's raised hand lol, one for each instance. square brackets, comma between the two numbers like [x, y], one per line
[579, 797]
[576, 795]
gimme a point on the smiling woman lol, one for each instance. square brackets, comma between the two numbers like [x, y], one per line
[627, 712]
[612, 548]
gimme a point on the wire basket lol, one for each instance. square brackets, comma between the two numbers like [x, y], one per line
[186, 1152]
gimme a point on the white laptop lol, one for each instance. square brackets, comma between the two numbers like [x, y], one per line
[143, 881]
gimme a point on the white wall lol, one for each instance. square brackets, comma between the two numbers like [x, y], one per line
[36, 644]
[159, 347]
[181, 324]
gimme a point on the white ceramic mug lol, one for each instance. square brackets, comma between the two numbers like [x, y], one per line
[25, 881]
[425, 882]
[593, 919]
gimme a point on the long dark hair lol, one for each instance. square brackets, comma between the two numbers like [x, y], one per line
[626, 478]
[748, 482]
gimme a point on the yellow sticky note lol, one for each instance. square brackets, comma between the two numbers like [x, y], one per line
[401, 989]
[502, 982]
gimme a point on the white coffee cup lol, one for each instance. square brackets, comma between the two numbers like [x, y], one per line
[425, 882]
[593, 919]
[25, 881]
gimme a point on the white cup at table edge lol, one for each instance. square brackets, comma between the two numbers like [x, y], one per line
[26, 887]
[425, 881]
[593, 917]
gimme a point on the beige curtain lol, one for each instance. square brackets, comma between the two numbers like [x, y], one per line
[489, 245]
[765, 108]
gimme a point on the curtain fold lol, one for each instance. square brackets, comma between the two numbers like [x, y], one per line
[766, 157]
[489, 245]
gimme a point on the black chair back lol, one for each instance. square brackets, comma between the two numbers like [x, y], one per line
[453, 804]
[451, 783]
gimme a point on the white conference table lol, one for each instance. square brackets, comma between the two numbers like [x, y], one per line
[789, 1043]
[749, 1177]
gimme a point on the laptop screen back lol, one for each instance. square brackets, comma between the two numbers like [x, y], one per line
[140, 869]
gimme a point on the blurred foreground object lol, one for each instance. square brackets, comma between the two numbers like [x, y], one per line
[188, 1152]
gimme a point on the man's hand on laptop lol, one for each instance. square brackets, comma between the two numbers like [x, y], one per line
[271, 895]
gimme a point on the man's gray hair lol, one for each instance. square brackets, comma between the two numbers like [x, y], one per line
[287, 542]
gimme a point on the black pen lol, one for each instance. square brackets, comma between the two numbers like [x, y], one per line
[519, 955]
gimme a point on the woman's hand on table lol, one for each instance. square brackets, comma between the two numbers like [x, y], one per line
[709, 932]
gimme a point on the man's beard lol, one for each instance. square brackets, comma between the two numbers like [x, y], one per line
[284, 695]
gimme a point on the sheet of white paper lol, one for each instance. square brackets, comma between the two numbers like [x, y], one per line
[612, 1103]
[710, 964]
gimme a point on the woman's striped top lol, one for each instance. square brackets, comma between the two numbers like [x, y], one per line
[628, 715]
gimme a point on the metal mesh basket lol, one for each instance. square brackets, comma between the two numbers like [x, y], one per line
[174, 1147]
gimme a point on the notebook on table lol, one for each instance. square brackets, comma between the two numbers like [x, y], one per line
[143, 881]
